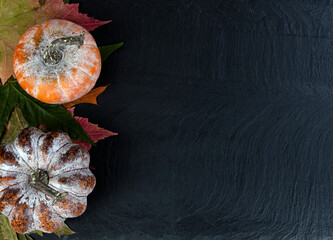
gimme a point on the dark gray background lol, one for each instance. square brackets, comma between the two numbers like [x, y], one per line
[224, 111]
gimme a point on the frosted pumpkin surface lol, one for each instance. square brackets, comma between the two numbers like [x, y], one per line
[69, 79]
[67, 167]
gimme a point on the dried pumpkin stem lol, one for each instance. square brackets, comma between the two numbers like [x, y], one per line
[54, 52]
[39, 180]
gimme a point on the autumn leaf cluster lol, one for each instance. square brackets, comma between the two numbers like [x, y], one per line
[17, 108]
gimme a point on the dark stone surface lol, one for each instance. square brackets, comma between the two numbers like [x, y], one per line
[224, 111]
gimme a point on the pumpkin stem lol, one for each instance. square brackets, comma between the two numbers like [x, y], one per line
[54, 52]
[39, 180]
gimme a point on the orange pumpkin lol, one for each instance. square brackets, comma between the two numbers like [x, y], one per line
[44, 179]
[57, 61]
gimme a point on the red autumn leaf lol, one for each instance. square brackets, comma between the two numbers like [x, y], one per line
[95, 132]
[58, 9]
[71, 110]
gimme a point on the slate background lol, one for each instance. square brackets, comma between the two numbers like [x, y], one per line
[224, 111]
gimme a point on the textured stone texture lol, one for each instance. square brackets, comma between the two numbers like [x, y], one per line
[224, 114]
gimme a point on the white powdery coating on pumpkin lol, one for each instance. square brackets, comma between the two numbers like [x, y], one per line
[29, 152]
[20, 189]
[17, 187]
[19, 165]
[81, 59]
[39, 214]
[74, 182]
[45, 156]
[81, 161]
[70, 212]
[9, 178]
[28, 203]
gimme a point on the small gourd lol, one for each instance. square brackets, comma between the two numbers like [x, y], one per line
[57, 61]
[44, 179]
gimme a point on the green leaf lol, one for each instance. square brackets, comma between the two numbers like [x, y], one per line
[64, 230]
[15, 124]
[7, 103]
[53, 116]
[21, 236]
[6, 230]
[24, 237]
[107, 50]
[66, 1]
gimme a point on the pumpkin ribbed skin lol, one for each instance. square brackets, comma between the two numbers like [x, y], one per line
[71, 78]
[67, 166]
